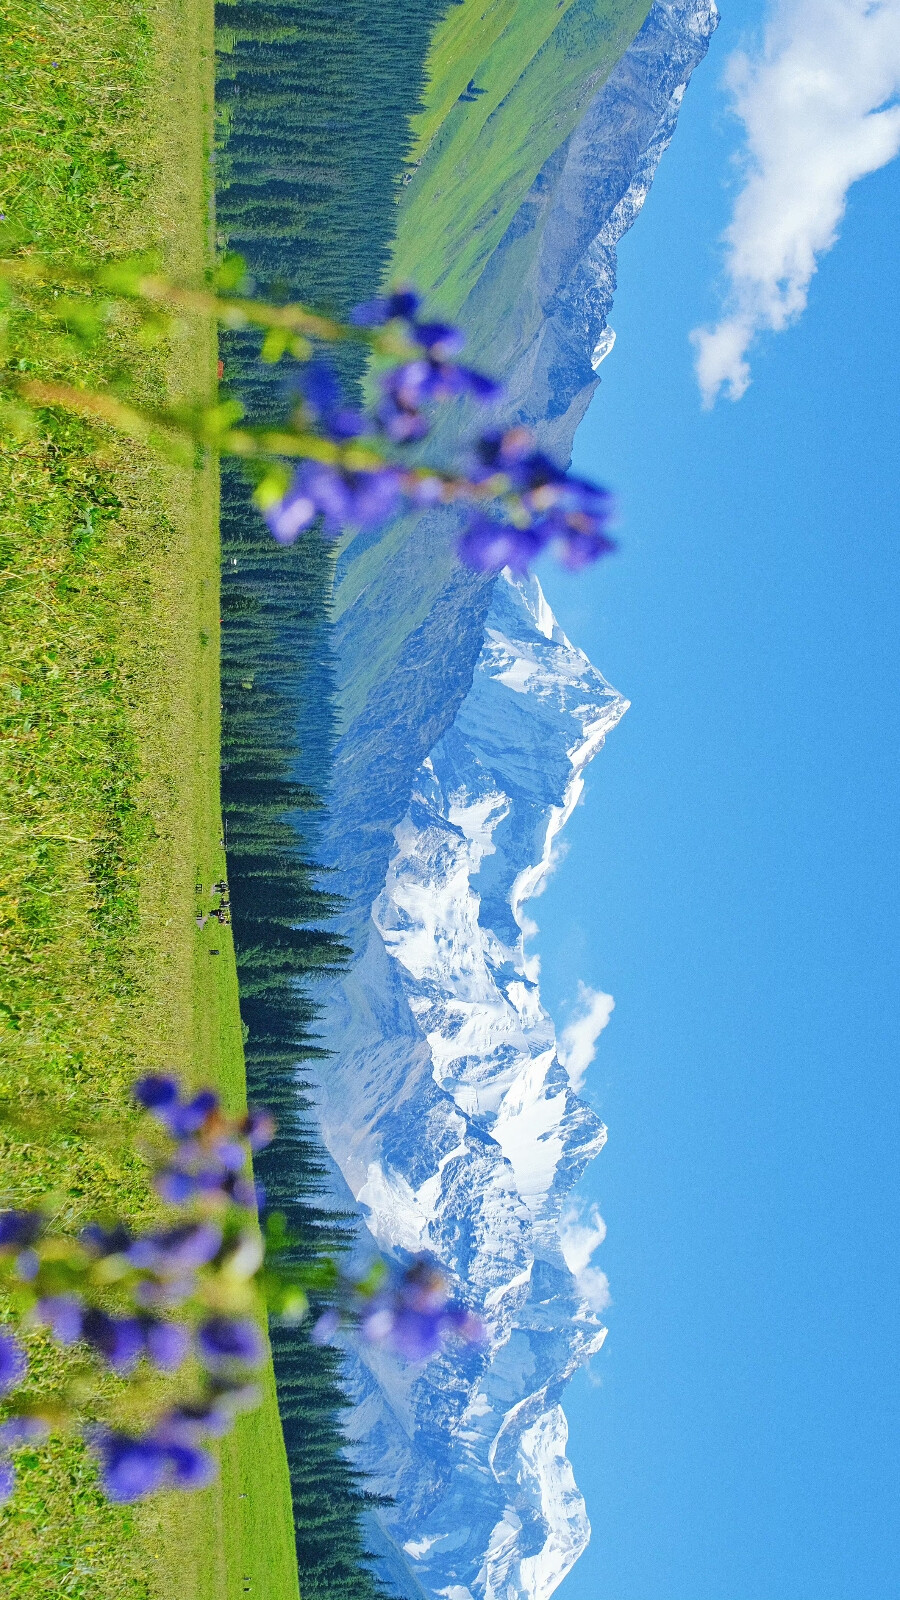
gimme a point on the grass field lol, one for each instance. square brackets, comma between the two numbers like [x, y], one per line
[508, 80]
[109, 802]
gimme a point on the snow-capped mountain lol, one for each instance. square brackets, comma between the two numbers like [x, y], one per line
[455, 1127]
[469, 719]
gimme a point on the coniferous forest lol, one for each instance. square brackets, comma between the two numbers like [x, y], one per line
[313, 105]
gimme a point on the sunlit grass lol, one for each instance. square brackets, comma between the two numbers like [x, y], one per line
[109, 805]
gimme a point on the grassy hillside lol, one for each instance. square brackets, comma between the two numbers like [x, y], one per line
[109, 795]
[507, 84]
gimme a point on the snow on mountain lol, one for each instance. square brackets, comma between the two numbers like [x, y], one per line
[456, 1129]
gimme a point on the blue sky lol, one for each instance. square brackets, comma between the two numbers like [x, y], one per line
[732, 879]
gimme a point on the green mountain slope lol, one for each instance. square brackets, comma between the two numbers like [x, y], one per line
[507, 85]
[508, 82]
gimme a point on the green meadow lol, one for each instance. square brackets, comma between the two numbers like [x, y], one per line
[110, 824]
[507, 82]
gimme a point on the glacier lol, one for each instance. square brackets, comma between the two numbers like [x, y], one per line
[469, 721]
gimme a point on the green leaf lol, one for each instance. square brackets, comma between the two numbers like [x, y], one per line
[230, 272]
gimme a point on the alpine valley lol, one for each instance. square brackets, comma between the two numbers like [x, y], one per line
[468, 720]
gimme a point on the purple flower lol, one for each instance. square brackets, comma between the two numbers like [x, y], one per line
[163, 1296]
[488, 546]
[129, 1467]
[325, 1327]
[424, 489]
[578, 547]
[160, 1095]
[120, 1340]
[440, 339]
[224, 1341]
[188, 1117]
[106, 1241]
[259, 1127]
[19, 1229]
[28, 1265]
[511, 451]
[427, 379]
[168, 1344]
[21, 1430]
[385, 308]
[214, 1418]
[188, 1466]
[177, 1250]
[402, 423]
[175, 1186]
[7, 1480]
[342, 498]
[415, 1335]
[231, 1154]
[13, 1362]
[321, 391]
[463, 1324]
[156, 1093]
[133, 1467]
[413, 1316]
[63, 1314]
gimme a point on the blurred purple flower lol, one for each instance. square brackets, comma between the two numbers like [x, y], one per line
[19, 1229]
[168, 1344]
[119, 1340]
[13, 1362]
[153, 1296]
[441, 339]
[224, 1341]
[231, 1154]
[488, 546]
[156, 1093]
[63, 1314]
[7, 1480]
[106, 1241]
[325, 1327]
[28, 1265]
[424, 489]
[177, 1250]
[427, 378]
[187, 1117]
[413, 1316]
[175, 1186]
[341, 497]
[189, 1424]
[21, 1430]
[321, 390]
[385, 308]
[129, 1467]
[188, 1466]
[259, 1127]
[132, 1467]
[415, 1335]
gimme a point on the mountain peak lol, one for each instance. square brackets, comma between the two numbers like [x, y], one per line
[455, 1125]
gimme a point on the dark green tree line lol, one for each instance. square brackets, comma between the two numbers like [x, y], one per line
[313, 102]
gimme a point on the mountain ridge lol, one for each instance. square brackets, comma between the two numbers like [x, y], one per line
[469, 719]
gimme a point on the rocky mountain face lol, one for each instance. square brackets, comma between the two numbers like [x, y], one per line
[469, 721]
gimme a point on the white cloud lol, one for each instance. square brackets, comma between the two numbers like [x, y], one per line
[579, 1238]
[578, 1040]
[818, 104]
